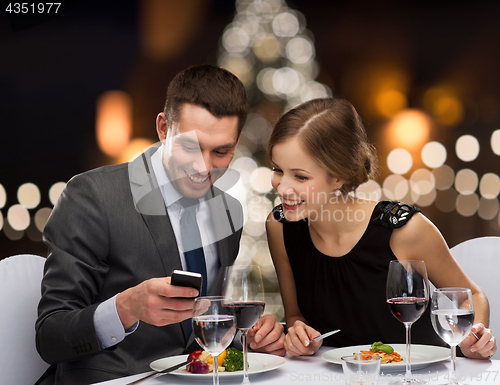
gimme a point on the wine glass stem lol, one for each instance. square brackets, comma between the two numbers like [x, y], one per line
[245, 356]
[408, 342]
[215, 368]
[453, 370]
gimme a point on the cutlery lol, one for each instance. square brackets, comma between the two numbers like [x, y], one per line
[158, 374]
[319, 338]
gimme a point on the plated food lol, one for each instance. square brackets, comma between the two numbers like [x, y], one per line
[384, 351]
[258, 363]
[229, 360]
[421, 355]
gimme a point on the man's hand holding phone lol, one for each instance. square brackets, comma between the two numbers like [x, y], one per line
[157, 301]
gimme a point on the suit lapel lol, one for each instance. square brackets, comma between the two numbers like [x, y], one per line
[149, 203]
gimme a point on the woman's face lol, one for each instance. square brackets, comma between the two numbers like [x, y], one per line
[302, 184]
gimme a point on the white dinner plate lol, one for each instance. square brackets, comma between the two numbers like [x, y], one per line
[421, 356]
[258, 363]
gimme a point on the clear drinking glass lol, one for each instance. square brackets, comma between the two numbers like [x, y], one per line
[244, 292]
[214, 327]
[452, 316]
[407, 294]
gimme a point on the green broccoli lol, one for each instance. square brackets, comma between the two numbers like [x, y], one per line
[233, 360]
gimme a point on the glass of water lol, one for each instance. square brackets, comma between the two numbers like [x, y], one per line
[452, 316]
[214, 327]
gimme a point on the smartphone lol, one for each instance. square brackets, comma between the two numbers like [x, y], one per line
[187, 278]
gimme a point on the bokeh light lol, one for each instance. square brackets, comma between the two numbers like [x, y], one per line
[41, 218]
[409, 129]
[369, 190]
[267, 48]
[113, 122]
[286, 25]
[134, 148]
[488, 208]
[467, 205]
[425, 200]
[389, 102]
[467, 148]
[3, 197]
[28, 195]
[444, 177]
[240, 66]
[235, 39]
[434, 154]
[55, 191]
[12, 234]
[300, 50]
[261, 179]
[18, 217]
[489, 187]
[444, 104]
[395, 187]
[495, 142]
[399, 161]
[423, 181]
[466, 181]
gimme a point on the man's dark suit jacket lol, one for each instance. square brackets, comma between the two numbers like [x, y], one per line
[99, 245]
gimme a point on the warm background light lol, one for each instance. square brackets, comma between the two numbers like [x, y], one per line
[134, 148]
[3, 197]
[113, 122]
[434, 154]
[261, 179]
[28, 195]
[395, 187]
[369, 190]
[41, 217]
[489, 186]
[466, 181]
[56, 190]
[444, 176]
[444, 105]
[399, 161]
[409, 129]
[467, 148]
[18, 217]
[495, 142]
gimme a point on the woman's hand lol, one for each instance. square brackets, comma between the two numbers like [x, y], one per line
[267, 336]
[483, 348]
[297, 341]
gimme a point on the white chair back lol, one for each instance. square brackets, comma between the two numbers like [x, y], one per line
[20, 282]
[480, 259]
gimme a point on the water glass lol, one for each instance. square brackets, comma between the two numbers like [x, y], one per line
[361, 369]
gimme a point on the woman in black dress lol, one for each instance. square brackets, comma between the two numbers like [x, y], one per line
[331, 249]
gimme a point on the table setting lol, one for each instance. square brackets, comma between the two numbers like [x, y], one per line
[216, 320]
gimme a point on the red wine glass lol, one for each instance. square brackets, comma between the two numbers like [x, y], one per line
[407, 294]
[244, 292]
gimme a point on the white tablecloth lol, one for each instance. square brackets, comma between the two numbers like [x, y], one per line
[315, 370]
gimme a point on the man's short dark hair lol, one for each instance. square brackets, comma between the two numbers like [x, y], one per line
[213, 88]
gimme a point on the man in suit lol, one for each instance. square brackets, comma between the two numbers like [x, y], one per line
[108, 308]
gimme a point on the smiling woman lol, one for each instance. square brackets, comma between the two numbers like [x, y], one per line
[322, 229]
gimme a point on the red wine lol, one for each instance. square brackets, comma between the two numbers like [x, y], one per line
[247, 313]
[407, 309]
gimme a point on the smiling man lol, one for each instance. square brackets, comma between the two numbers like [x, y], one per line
[117, 233]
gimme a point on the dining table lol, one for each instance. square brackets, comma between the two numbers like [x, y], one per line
[316, 370]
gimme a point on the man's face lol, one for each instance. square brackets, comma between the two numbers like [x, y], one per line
[197, 149]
